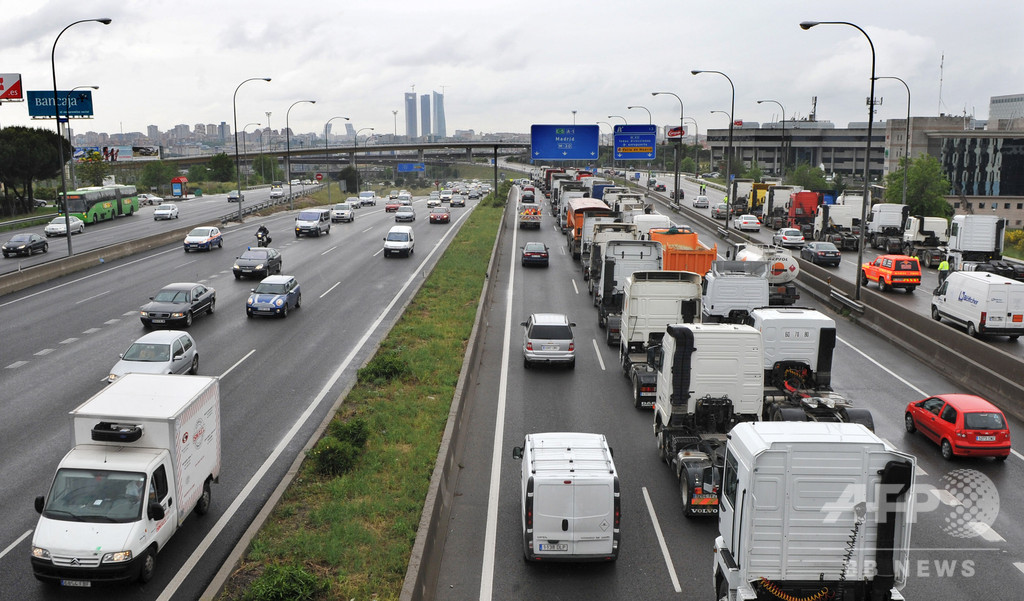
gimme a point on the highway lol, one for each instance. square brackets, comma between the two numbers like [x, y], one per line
[663, 554]
[279, 377]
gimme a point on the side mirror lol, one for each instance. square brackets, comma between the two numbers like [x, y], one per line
[517, 453]
[151, 298]
[40, 501]
[572, 324]
[155, 512]
[522, 323]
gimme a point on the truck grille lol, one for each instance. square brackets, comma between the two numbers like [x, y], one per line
[67, 561]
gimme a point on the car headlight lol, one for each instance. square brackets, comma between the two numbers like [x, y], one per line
[260, 266]
[40, 553]
[251, 300]
[117, 557]
[235, 266]
[278, 302]
[111, 377]
[143, 314]
[22, 247]
[178, 314]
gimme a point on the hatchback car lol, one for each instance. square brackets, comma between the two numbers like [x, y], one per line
[961, 424]
[700, 202]
[165, 211]
[277, 192]
[747, 222]
[57, 227]
[440, 215]
[549, 339]
[25, 244]
[821, 253]
[391, 206]
[163, 352]
[235, 196]
[405, 213]
[788, 237]
[660, 188]
[343, 211]
[535, 253]
[433, 201]
[275, 295]
[260, 262]
[720, 211]
[203, 238]
[458, 200]
[178, 303]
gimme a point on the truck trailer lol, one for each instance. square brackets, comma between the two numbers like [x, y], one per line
[621, 259]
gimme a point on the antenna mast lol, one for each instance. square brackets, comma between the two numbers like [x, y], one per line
[942, 63]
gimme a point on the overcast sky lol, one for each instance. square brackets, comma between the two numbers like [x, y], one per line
[506, 64]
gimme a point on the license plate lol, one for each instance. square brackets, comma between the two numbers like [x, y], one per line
[549, 347]
[78, 583]
[986, 439]
[159, 321]
[550, 547]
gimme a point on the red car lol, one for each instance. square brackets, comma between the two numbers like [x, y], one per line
[391, 206]
[440, 215]
[961, 424]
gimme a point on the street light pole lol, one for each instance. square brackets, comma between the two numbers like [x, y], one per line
[263, 171]
[395, 113]
[288, 149]
[650, 118]
[71, 141]
[574, 116]
[906, 151]
[679, 147]
[60, 137]
[234, 114]
[245, 149]
[355, 140]
[728, 158]
[327, 156]
[696, 146]
[784, 153]
[867, 152]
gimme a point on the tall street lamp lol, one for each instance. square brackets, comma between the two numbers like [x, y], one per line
[650, 118]
[696, 146]
[785, 156]
[867, 152]
[906, 137]
[728, 157]
[60, 137]
[611, 127]
[354, 162]
[574, 116]
[679, 147]
[395, 114]
[71, 141]
[327, 156]
[234, 114]
[263, 171]
[245, 149]
[288, 149]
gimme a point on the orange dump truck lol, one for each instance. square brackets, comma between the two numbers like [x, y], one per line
[682, 251]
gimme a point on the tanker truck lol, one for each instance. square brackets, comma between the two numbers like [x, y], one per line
[782, 269]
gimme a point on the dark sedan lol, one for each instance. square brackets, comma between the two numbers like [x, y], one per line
[259, 262]
[535, 253]
[178, 303]
[25, 244]
[821, 253]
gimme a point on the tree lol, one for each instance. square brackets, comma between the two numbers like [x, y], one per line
[27, 154]
[92, 169]
[807, 177]
[266, 168]
[688, 166]
[927, 187]
[754, 172]
[198, 173]
[158, 174]
[222, 168]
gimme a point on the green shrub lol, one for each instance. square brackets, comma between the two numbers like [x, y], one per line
[354, 431]
[1015, 239]
[383, 368]
[285, 583]
[333, 457]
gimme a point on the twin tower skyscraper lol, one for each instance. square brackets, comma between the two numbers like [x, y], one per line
[431, 116]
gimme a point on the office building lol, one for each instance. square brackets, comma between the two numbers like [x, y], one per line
[439, 126]
[410, 116]
[425, 115]
[1006, 112]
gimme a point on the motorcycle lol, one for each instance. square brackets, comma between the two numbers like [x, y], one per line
[262, 239]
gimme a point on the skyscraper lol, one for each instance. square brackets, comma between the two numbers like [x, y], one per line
[425, 114]
[439, 126]
[410, 115]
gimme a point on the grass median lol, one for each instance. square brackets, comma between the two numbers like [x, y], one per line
[346, 526]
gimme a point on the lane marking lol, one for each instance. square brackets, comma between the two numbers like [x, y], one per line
[329, 250]
[945, 497]
[986, 532]
[45, 351]
[574, 286]
[237, 363]
[92, 330]
[16, 364]
[85, 300]
[68, 340]
[14, 544]
[661, 541]
[597, 350]
[111, 322]
[329, 289]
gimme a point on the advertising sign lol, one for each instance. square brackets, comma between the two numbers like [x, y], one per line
[10, 86]
[564, 142]
[74, 105]
[108, 154]
[676, 132]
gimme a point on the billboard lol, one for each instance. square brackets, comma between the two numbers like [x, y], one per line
[76, 104]
[10, 86]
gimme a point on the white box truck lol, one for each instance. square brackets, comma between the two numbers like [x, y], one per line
[982, 302]
[813, 511]
[569, 501]
[147, 449]
[975, 238]
[621, 258]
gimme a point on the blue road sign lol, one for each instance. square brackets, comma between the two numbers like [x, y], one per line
[409, 167]
[564, 142]
[635, 142]
[72, 104]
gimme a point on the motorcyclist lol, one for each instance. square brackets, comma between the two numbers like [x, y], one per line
[264, 234]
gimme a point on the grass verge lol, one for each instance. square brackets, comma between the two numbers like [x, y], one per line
[349, 536]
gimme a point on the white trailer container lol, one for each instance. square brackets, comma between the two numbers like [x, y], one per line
[587, 234]
[975, 238]
[569, 497]
[147, 449]
[984, 303]
[621, 259]
[813, 510]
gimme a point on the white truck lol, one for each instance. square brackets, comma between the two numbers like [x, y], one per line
[838, 224]
[528, 215]
[653, 221]
[782, 269]
[587, 234]
[147, 449]
[651, 300]
[984, 303]
[885, 226]
[569, 497]
[604, 232]
[813, 511]
[621, 259]
[975, 238]
[732, 289]
[926, 238]
[739, 195]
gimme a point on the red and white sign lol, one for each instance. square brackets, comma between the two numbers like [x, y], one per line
[319, 176]
[10, 86]
[676, 132]
[738, 123]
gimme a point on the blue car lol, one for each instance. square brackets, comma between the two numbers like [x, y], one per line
[275, 295]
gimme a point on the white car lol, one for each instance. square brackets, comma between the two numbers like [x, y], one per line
[368, 197]
[277, 192]
[342, 211]
[58, 227]
[165, 211]
[161, 352]
[403, 195]
[747, 222]
[700, 202]
[789, 237]
[149, 199]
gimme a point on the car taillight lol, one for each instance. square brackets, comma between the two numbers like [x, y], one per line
[984, 315]
[572, 346]
[529, 346]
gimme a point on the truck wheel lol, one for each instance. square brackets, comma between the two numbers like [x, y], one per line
[624, 362]
[203, 504]
[636, 395]
[662, 452]
[863, 278]
[684, 493]
[935, 314]
[908, 423]
[971, 330]
[910, 289]
[147, 567]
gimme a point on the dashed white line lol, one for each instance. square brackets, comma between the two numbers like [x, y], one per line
[237, 363]
[574, 286]
[85, 300]
[111, 322]
[331, 249]
[15, 543]
[597, 350]
[366, 230]
[661, 542]
[45, 351]
[985, 532]
[68, 340]
[945, 497]
[329, 290]
[130, 313]
[1019, 565]
[16, 364]
[91, 331]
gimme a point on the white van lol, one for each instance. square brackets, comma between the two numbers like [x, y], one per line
[400, 240]
[570, 497]
[313, 222]
[984, 303]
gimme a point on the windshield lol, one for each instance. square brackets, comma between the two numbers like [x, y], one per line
[366, 194]
[171, 296]
[21, 238]
[81, 495]
[148, 352]
[342, 207]
[308, 216]
[165, 207]
[271, 289]
[398, 237]
[59, 220]
[200, 232]
[254, 254]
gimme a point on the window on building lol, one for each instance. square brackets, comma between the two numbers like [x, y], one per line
[1006, 205]
[956, 205]
[1020, 205]
[981, 205]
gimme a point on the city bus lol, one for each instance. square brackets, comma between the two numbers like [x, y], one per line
[99, 203]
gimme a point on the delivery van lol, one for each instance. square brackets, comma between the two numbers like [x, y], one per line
[147, 449]
[982, 302]
[569, 497]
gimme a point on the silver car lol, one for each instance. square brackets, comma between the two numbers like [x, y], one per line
[342, 211]
[58, 227]
[405, 213]
[549, 339]
[162, 352]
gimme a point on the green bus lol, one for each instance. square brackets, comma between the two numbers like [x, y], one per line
[100, 203]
